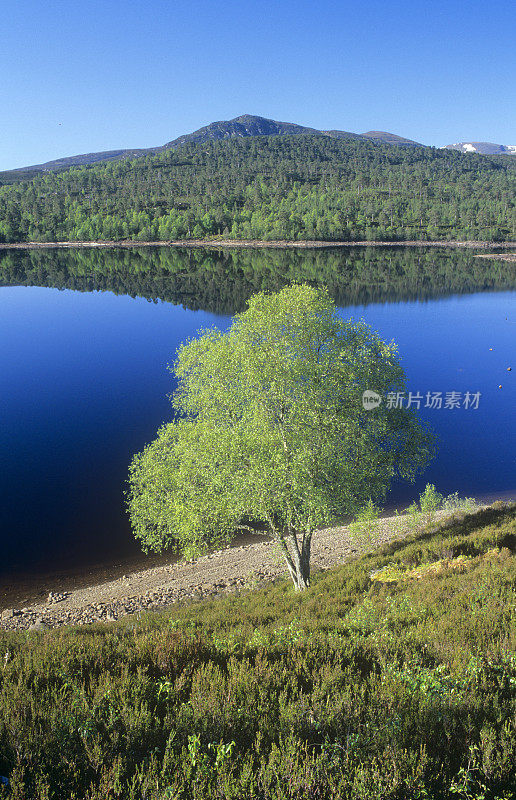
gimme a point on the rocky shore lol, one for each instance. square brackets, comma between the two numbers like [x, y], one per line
[207, 243]
[497, 256]
[235, 569]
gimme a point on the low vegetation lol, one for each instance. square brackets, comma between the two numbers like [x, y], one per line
[355, 688]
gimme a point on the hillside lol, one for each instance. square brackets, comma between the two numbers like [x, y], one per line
[393, 676]
[302, 187]
[243, 126]
[60, 164]
[390, 138]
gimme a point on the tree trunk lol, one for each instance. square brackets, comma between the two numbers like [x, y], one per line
[305, 556]
[301, 582]
[298, 561]
[301, 562]
[299, 578]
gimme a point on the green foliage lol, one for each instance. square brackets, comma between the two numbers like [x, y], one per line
[296, 188]
[455, 503]
[431, 501]
[270, 431]
[361, 524]
[346, 691]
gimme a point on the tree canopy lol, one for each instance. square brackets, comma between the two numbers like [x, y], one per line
[270, 431]
[271, 187]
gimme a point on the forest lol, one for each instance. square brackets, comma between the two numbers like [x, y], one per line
[304, 187]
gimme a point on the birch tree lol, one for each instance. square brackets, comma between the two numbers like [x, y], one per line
[270, 432]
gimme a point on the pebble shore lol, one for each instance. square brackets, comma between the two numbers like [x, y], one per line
[231, 570]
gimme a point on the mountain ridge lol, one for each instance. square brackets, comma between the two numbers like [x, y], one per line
[244, 125]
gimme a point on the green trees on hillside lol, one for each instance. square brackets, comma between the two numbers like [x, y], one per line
[271, 433]
[278, 187]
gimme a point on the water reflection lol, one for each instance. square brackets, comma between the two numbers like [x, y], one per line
[220, 281]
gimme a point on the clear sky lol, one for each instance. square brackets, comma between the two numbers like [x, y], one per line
[79, 77]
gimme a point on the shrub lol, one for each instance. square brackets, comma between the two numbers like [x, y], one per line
[351, 689]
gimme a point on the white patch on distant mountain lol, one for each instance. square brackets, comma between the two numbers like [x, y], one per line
[483, 148]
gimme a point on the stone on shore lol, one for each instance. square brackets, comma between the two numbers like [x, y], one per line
[39, 625]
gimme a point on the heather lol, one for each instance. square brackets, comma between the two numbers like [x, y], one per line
[392, 676]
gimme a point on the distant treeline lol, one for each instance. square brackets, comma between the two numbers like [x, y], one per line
[271, 188]
[221, 281]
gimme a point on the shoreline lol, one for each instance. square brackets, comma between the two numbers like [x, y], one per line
[250, 243]
[28, 589]
[498, 256]
[135, 586]
[218, 573]
[21, 588]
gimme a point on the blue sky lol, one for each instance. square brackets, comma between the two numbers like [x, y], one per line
[81, 77]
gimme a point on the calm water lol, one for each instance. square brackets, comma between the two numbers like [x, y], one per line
[84, 380]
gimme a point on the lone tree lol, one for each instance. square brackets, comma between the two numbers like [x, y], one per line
[270, 431]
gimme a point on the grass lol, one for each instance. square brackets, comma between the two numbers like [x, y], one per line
[355, 688]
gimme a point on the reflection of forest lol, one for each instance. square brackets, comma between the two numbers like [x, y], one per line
[221, 280]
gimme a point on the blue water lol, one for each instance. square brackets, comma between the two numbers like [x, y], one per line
[84, 384]
[444, 347]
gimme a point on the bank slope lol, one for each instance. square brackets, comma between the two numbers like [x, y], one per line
[392, 676]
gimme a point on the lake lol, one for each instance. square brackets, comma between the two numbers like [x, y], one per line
[86, 336]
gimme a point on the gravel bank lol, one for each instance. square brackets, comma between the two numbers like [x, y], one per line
[207, 243]
[218, 573]
[497, 256]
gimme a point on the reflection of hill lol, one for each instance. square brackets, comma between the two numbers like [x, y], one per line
[221, 281]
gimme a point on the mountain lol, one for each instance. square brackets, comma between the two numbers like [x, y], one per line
[86, 158]
[245, 125]
[484, 148]
[341, 134]
[270, 188]
[390, 138]
[59, 164]
[239, 127]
